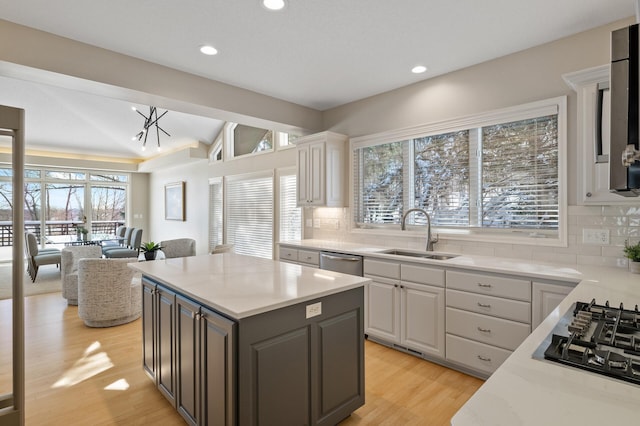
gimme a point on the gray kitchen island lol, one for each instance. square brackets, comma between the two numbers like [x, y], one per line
[231, 339]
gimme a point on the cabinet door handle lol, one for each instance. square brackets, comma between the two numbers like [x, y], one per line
[484, 330]
[484, 358]
[484, 305]
[484, 285]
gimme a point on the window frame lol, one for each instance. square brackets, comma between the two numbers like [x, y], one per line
[557, 105]
[42, 179]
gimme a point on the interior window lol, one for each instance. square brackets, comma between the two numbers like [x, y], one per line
[249, 140]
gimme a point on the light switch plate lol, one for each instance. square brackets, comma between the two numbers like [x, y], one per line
[314, 310]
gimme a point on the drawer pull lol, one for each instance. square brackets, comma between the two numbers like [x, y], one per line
[288, 254]
[484, 285]
[484, 305]
[484, 358]
[484, 330]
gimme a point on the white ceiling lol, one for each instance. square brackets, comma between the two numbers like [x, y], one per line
[320, 54]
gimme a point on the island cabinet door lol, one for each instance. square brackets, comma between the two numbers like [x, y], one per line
[205, 365]
[217, 368]
[149, 337]
[165, 325]
[187, 359]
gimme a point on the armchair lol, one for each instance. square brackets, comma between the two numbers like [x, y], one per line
[37, 257]
[179, 247]
[69, 269]
[108, 294]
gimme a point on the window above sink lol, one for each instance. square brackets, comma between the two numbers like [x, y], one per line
[499, 176]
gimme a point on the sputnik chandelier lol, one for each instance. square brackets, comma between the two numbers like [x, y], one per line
[150, 121]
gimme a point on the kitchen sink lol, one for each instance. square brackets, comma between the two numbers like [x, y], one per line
[420, 254]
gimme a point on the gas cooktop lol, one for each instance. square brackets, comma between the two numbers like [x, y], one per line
[598, 338]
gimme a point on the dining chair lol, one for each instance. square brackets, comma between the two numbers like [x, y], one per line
[37, 257]
[132, 251]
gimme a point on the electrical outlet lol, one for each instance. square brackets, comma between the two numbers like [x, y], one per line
[314, 310]
[308, 223]
[595, 236]
[316, 223]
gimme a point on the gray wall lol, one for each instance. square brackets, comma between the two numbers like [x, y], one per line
[515, 79]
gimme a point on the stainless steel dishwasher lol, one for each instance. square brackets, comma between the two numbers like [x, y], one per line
[338, 262]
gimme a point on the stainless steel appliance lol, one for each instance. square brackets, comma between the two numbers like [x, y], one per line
[597, 338]
[624, 167]
[339, 262]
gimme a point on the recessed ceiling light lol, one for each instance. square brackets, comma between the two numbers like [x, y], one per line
[418, 69]
[208, 50]
[273, 4]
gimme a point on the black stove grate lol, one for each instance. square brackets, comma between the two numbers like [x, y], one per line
[600, 339]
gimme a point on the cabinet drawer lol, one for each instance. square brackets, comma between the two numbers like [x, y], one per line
[310, 257]
[422, 275]
[382, 269]
[493, 285]
[289, 254]
[482, 328]
[495, 306]
[478, 356]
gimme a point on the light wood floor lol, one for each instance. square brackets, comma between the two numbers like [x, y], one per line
[76, 375]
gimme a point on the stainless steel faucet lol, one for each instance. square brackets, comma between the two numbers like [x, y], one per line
[430, 241]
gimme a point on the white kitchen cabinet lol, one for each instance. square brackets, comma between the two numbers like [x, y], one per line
[304, 257]
[382, 310]
[406, 312]
[321, 170]
[422, 309]
[487, 317]
[382, 305]
[545, 298]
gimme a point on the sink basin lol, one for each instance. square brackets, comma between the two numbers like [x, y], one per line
[420, 254]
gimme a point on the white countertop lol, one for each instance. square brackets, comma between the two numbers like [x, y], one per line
[527, 391]
[241, 286]
[549, 271]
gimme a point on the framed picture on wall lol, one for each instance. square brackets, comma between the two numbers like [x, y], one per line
[174, 201]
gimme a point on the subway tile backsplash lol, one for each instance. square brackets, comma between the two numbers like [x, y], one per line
[622, 222]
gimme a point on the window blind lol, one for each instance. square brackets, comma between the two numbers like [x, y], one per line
[520, 174]
[290, 216]
[249, 214]
[215, 214]
[441, 183]
[378, 178]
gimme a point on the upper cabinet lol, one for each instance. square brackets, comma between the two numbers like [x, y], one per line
[321, 164]
[593, 133]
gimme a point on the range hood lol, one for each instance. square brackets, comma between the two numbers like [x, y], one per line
[624, 164]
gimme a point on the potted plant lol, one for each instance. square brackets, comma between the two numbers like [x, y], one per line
[632, 252]
[82, 233]
[150, 250]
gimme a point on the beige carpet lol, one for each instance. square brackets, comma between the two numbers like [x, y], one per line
[48, 281]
